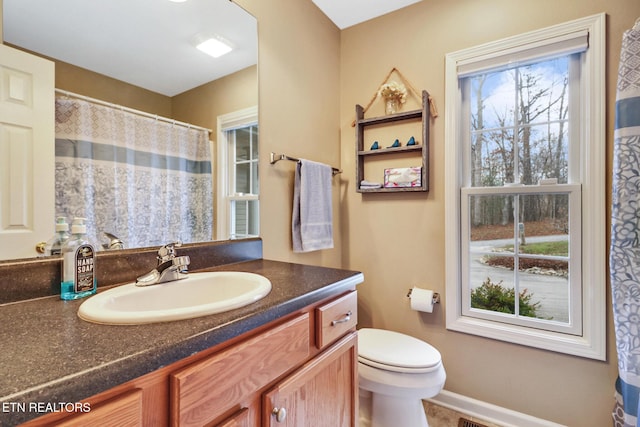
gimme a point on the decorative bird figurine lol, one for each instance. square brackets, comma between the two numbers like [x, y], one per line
[412, 141]
[375, 146]
[395, 144]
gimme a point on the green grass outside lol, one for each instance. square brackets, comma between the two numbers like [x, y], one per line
[560, 248]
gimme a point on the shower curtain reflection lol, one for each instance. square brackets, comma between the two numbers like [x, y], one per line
[144, 180]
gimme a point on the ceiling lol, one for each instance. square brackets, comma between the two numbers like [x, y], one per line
[151, 43]
[148, 43]
[345, 13]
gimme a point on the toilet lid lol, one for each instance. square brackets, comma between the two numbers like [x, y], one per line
[396, 352]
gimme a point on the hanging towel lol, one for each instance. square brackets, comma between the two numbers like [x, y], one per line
[312, 220]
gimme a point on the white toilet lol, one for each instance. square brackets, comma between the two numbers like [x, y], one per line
[395, 373]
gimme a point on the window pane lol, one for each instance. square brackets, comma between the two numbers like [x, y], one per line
[491, 217]
[543, 153]
[543, 91]
[246, 218]
[243, 178]
[254, 142]
[492, 100]
[492, 158]
[255, 187]
[243, 144]
[253, 217]
[240, 221]
[546, 289]
[529, 232]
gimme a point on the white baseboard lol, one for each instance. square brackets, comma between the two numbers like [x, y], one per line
[488, 412]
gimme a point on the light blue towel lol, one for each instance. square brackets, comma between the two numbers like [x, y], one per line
[312, 220]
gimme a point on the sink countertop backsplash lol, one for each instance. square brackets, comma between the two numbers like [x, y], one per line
[39, 277]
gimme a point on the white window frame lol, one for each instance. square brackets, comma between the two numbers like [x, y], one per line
[590, 342]
[225, 161]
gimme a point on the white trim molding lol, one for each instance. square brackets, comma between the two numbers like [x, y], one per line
[488, 412]
[591, 342]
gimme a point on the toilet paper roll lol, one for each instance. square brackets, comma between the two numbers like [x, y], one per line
[422, 300]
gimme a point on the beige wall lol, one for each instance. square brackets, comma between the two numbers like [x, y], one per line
[87, 83]
[398, 240]
[202, 106]
[299, 92]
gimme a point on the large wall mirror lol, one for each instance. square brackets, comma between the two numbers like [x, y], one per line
[142, 55]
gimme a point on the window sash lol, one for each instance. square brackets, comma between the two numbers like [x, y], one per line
[250, 161]
[574, 324]
[245, 214]
[573, 121]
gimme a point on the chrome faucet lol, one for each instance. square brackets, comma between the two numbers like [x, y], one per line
[114, 242]
[170, 267]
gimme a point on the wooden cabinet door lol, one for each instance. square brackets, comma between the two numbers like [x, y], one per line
[213, 388]
[239, 419]
[323, 392]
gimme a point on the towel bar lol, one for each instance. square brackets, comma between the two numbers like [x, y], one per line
[274, 158]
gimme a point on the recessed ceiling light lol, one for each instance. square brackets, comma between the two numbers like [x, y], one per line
[214, 46]
[178, 1]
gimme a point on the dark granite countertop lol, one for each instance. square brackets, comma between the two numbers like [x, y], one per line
[49, 355]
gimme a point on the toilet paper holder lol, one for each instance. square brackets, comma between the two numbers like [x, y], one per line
[436, 296]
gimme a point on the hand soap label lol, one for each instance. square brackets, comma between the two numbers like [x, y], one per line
[84, 263]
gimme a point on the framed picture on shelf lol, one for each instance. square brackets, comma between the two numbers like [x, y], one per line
[403, 177]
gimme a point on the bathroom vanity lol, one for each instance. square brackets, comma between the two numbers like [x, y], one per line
[291, 356]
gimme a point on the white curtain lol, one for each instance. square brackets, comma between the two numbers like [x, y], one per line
[144, 180]
[625, 231]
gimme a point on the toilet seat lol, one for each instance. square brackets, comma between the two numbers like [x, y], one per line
[396, 352]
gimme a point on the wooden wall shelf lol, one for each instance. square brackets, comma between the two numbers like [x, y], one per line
[422, 148]
[390, 150]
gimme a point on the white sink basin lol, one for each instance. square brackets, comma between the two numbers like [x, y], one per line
[200, 294]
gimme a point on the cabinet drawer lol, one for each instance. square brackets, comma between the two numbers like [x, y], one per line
[336, 318]
[205, 390]
[121, 411]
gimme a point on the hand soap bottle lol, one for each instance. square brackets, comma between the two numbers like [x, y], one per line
[55, 244]
[78, 264]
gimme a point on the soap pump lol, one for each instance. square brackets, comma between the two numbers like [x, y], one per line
[54, 245]
[78, 264]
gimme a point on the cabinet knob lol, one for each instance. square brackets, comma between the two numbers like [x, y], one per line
[343, 319]
[280, 413]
